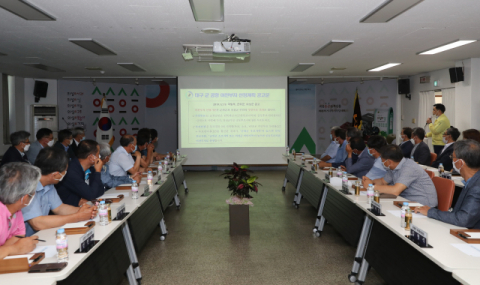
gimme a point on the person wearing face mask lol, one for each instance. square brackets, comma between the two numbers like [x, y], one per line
[438, 128]
[65, 140]
[374, 146]
[17, 181]
[53, 164]
[405, 178]
[340, 139]
[121, 162]
[44, 139]
[331, 151]
[110, 181]
[449, 138]
[420, 151]
[364, 162]
[466, 213]
[406, 145]
[83, 180]
[20, 144]
[78, 135]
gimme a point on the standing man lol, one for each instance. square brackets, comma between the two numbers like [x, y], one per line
[20, 144]
[44, 139]
[441, 124]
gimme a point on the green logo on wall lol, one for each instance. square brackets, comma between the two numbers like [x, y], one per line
[96, 90]
[110, 91]
[304, 139]
[135, 120]
[122, 91]
[134, 92]
[122, 120]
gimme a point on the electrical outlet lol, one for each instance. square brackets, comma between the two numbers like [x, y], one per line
[413, 121]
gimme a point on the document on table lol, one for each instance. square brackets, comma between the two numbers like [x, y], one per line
[473, 235]
[28, 256]
[75, 225]
[109, 196]
[50, 250]
[125, 185]
[468, 249]
[414, 216]
[414, 204]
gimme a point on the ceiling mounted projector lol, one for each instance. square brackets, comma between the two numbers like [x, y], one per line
[232, 46]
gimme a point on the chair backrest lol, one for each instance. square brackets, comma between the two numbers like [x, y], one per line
[430, 173]
[433, 157]
[445, 189]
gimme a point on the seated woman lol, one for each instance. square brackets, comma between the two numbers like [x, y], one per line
[18, 182]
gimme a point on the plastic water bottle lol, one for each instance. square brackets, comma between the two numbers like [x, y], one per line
[345, 182]
[303, 159]
[178, 153]
[440, 169]
[135, 190]
[62, 246]
[103, 213]
[160, 168]
[288, 151]
[339, 172]
[165, 166]
[149, 177]
[403, 211]
[370, 194]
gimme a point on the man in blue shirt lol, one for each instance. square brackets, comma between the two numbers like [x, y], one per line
[109, 181]
[331, 151]
[65, 139]
[374, 147]
[44, 139]
[53, 164]
[340, 139]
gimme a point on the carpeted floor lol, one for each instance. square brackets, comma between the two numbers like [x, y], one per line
[281, 248]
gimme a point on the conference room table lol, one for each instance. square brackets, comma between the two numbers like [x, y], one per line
[111, 257]
[383, 244]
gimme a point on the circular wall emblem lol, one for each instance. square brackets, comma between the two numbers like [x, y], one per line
[344, 101]
[122, 103]
[97, 102]
[95, 133]
[134, 108]
[321, 130]
[105, 124]
[111, 108]
[370, 101]
[123, 132]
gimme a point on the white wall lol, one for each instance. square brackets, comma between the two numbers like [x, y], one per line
[467, 101]
[29, 100]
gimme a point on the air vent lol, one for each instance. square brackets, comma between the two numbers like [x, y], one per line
[44, 111]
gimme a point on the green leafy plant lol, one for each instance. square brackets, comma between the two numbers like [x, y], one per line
[240, 182]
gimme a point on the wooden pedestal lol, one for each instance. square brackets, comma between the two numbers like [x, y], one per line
[239, 220]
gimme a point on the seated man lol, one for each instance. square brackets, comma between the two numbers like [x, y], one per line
[340, 139]
[406, 145]
[53, 164]
[146, 149]
[331, 151]
[121, 162]
[375, 145]
[78, 135]
[353, 132]
[109, 181]
[18, 182]
[20, 144]
[44, 138]
[83, 180]
[466, 213]
[404, 178]
[420, 152]
[445, 157]
[65, 139]
[364, 162]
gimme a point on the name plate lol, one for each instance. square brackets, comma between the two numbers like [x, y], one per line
[418, 236]
[376, 208]
[446, 175]
[120, 211]
[345, 188]
[86, 240]
[327, 177]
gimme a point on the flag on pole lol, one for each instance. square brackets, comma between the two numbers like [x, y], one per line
[104, 126]
[357, 113]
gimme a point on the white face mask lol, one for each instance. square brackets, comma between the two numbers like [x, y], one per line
[50, 143]
[384, 166]
[31, 199]
[445, 141]
[26, 148]
[454, 167]
[71, 141]
[60, 179]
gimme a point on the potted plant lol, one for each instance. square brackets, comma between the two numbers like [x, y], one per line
[240, 183]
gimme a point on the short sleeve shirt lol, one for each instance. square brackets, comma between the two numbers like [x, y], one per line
[46, 199]
[10, 225]
[331, 151]
[120, 162]
[420, 186]
[377, 170]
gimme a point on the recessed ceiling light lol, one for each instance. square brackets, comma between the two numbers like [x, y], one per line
[302, 67]
[211, 31]
[207, 10]
[44, 67]
[26, 10]
[217, 67]
[332, 47]
[338, 68]
[93, 68]
[383, 67]
[92, 46]
[132, 67]
[389, 10]
[455, 44]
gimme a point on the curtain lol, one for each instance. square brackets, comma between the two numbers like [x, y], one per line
[448, 99]
[427, 100]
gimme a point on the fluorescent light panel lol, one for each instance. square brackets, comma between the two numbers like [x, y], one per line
[302, 67]
[452, 45]
[25, 10]
[132, 67]
[44, 67]
[207, 10]
[383, 67]
[389, 10]
[217, 67]
[92, 46]
[332, 47]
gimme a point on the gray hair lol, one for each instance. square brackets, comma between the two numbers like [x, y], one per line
[334, 128]
[77, 131]
[105, 150]
[18, 137]
[468, 151]
[17, 179]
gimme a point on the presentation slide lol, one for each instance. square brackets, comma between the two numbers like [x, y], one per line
[221, 118]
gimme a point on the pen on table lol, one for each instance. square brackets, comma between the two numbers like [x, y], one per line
[35, 239]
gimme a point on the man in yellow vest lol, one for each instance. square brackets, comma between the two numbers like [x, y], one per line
[438, 128]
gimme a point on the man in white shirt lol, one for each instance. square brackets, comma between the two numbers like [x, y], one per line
[331, 151]
[121, 161]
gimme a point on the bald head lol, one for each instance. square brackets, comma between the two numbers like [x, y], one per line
[129, 142]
